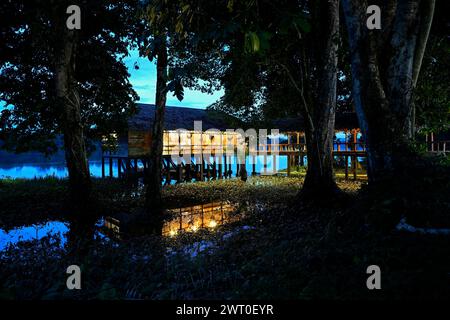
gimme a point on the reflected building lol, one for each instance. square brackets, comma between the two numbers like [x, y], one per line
[209, 215]
[185, 219]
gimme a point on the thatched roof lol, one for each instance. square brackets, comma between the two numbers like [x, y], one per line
[180, 118]
[183, 118]
[347, 120]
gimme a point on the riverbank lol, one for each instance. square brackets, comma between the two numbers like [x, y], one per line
[280, 249]
[35, 199]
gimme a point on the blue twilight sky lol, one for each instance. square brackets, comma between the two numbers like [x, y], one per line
[144, 82]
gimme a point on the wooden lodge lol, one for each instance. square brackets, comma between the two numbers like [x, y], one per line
[176, 118]
[196, 142]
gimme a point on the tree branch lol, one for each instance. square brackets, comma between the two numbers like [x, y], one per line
[424, 32]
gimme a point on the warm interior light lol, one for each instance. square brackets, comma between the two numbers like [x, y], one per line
[173, 233]
[194, 228]
[212, 224]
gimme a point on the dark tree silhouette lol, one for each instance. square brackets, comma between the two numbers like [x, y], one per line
[59, 81]
[385, 69]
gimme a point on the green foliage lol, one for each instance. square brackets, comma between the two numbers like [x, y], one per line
[30, 200]
[257, 42]
[432, 95]
[432, 92]
[166, 22]
[281, 249]
[30, 118]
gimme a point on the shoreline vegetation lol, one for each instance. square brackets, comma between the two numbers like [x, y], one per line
[360, 91]
[46, 196]
[291, 250]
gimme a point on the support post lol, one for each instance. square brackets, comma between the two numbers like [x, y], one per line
[208, 169]
[432, 141]
[274, 163]
[188, 172]
[128, 168]
[103, 167]
[110, 167]
[355, 159]
[214, 169]
[202, 166]
[168, 176]
[179, 173]
[197, 171]
[346, 166]
[289, 165]
[225, 167]
[265, 164]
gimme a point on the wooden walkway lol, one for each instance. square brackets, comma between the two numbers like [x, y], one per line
[198, 169]
[134, 168]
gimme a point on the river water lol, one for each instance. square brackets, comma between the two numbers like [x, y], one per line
[59, 170]
[34, 165]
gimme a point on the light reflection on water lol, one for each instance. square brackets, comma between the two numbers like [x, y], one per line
[58, 170]
[30, 168]
[209, 215]
[189, 219]
[34, 232]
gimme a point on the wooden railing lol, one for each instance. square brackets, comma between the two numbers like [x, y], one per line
[268, 148]
[125, 165]
[301, 147]
[438, 146]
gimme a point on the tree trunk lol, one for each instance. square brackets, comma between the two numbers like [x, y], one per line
[383, 69]
[153, 202]
[427, 14]
[320, 127]
[72, 127]
[319, 178]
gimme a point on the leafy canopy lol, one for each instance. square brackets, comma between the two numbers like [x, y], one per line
[30, 119]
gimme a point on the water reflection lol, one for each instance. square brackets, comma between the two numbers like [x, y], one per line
[112, 225]
[32, 170]
[187, 219]
[32, 165]
[82, 232]
[209, 215]
[69, 233]
[59, 170]
[34, 232]
[78, 233]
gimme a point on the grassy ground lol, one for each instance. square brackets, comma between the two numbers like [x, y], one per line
[361, 173]
[282, 249]
[25, 201]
